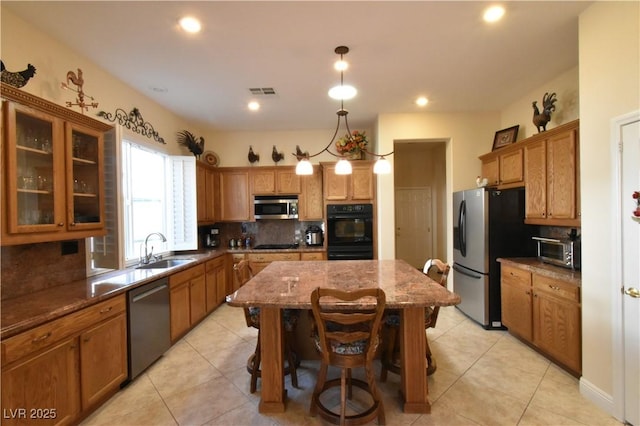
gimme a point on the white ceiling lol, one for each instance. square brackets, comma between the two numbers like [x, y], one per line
[399, 50]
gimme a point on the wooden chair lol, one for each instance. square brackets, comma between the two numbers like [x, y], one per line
[391, 344]
[244, 272]
[346, 339]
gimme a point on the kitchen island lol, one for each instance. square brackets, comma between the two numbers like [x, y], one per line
[285, 284]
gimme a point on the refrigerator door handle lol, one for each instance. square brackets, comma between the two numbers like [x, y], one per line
[462, 234]
[466, 272]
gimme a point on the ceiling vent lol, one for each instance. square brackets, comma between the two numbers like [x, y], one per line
[262, 91]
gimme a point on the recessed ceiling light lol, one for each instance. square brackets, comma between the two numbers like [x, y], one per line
[342, 92]
[422, 101]
[190, 24]
[253, 106]
[158, 89]
[493, 14]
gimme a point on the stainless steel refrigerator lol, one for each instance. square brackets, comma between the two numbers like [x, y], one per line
[488, 224]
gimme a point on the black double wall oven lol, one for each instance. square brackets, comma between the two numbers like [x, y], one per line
[349, 231]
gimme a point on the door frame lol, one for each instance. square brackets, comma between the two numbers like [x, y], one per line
[617, 295]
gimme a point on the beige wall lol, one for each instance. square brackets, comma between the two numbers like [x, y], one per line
[22, 44]
[609, 87]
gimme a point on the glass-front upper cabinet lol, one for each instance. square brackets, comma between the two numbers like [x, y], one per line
[35, 196]
[53, 187]
[84, 151]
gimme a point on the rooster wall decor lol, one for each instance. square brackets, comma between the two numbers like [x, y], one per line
[540, 119]
[196, 146]
[300, 155]
[16, 79]
[276, 156]
[252, 156]
[78, 81]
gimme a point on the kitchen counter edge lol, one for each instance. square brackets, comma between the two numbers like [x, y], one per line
[532, 264]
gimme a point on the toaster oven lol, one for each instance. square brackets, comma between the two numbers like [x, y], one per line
[565, 253]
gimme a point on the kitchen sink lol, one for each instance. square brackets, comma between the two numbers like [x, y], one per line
[165, 263]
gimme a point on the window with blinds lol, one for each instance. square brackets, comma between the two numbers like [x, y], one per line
[157, 194]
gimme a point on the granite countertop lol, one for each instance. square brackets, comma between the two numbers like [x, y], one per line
[289, 284]
[31, 310]
[532, 264]
[28, 311]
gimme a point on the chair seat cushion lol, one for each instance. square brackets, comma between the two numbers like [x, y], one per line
[290, 317]
[353, 348]
[392, 318]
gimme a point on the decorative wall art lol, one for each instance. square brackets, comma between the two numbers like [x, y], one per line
[540, 119]
[195, 145]
[505, 137]
[16, 79]
[134, 122]
[78, 81]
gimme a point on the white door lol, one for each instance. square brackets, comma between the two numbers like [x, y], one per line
[630, 240]
[414, 236]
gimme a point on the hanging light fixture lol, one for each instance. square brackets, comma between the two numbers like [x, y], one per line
[343, 166]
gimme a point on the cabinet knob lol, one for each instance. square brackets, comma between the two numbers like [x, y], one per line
[105, 310]
[73, 224]
[60, 224]
[41, 338]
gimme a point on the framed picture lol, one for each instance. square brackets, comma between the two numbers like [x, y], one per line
[505, 137]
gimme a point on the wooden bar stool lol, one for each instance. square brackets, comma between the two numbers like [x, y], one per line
[346, 339]
[391, 325]
[244, 272]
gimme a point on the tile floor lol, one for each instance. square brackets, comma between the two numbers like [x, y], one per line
[483, 378]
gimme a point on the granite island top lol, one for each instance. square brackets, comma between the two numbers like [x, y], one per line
[532, 264]
[25, 312]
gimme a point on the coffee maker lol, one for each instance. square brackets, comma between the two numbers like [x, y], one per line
[212, 239]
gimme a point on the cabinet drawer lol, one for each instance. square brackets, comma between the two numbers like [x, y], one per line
[515, 275]
[312, 256]
[218, 262]
[186, 275]
[556, 287]
[47, 334]
[271, 257]
[237, 257]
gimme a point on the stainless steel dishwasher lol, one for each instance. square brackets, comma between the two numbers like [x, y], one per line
[148, 324]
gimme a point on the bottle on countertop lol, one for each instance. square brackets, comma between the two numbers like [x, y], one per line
[232, 243]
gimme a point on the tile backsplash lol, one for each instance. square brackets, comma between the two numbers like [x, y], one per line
[263, 231]
[32, 267]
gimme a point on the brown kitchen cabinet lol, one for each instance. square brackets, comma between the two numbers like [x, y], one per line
[208, 193]
[274, 181]
[504, 168]
[63, 369]
[516, 298]
[551, 165]
[215, 282]
[545, 312]
[310, 202]
[358, 186]
[54, 186]
[556, 318]
[259, 261]
[316, 255]
[235, 201]
[187, 299]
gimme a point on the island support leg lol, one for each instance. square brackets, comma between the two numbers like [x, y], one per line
[273, 393]
[414, 364]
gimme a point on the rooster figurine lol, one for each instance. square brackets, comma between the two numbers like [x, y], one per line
[540, 119]
[299, 154]
[16, 79]
[276, 156]
[253, 157]
[196, 146]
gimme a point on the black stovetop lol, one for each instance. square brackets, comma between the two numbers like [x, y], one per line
[275, 246]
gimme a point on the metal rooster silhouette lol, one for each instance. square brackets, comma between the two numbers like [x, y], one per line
[196, 146]
[540, 119]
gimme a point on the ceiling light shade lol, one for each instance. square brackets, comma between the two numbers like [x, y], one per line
[190, 24]
[343, 167]
[422, 101]
[342, 92]
[341, 65]
[304, 167]
[253, 106]
[382, 166]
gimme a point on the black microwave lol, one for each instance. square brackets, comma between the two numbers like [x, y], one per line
[275, 207]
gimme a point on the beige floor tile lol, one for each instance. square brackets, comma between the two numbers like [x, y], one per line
[444, 414]
[488, 407]
[229, 358]
[513, 381]
[246, 414]
[511, 353]
[154, 414]
[564, 399]
[540, 417]
[181, 368]
[204, 402]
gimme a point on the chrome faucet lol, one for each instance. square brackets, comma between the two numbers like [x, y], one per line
[148, 255]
